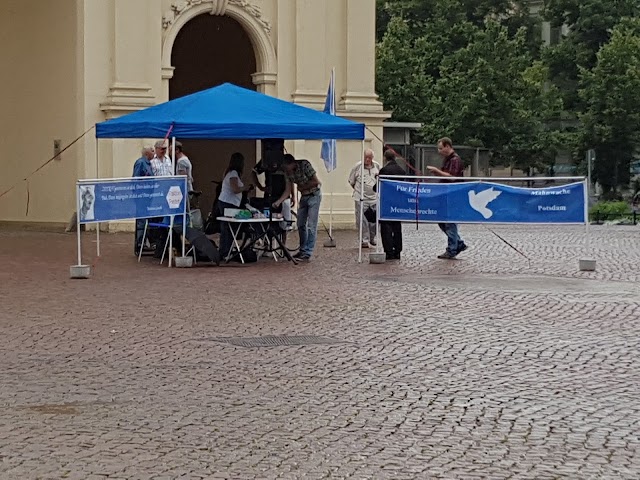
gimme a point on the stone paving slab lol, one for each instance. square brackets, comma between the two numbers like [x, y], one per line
[485, 367]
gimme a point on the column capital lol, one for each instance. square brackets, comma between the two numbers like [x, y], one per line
[309, 98]
[167, 73]
[264, 78]
[360, 102]
[126, 98]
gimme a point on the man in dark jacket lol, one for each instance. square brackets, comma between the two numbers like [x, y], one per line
[452, 166]
[391, 232]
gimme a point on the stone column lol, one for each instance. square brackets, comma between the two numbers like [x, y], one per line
[130, 89]
[311, 72]
[360, 62]
[135, 43]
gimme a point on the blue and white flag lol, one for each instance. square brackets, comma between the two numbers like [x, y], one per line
[328, 151]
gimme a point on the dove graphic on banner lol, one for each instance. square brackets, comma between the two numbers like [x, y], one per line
[479, 201]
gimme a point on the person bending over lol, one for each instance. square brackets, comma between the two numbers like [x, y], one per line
[302, 174]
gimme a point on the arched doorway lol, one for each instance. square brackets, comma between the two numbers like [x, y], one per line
[208, 51]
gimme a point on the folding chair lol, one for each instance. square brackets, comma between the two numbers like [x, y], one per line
[166, 223]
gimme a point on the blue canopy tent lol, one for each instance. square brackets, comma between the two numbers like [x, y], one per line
[229, 112]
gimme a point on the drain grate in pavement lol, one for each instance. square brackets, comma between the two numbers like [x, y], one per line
[54, 409]
[277, 340]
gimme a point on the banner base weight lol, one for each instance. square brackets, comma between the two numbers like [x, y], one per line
[587, 265]
[80, 271]
[377, 258]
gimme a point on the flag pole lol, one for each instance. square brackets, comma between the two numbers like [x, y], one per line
[361, 206]
[333, 155]
[331, 202]
[330, 242]
[328, 153]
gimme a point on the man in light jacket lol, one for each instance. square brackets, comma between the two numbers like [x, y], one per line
[370, 174]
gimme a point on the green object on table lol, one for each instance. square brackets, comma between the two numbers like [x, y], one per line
[243, 215]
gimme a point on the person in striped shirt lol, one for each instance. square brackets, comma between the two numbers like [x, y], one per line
[161, 164]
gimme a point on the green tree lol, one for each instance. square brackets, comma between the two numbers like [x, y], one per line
[403, 78]
[492, 93]
[589, 24]
[462, 68]
[421, 15]
[611, 95]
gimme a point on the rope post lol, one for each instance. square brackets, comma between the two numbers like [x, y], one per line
[361, 203]
[587, 264]
[379, 256]
[79, 271]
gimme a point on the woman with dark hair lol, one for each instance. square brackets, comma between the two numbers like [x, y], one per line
[231, 197]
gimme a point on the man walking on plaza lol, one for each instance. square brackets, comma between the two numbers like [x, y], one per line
[304, 176]
[367, 197]
[391, 232]
[451, 167]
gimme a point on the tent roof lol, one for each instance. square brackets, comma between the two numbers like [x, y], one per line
[230, 112]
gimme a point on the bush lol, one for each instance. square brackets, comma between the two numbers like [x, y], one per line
[609, 210]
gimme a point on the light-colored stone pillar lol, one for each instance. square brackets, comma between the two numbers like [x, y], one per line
[135, 30]
[311, 72]
[360, 61]
[130, 88]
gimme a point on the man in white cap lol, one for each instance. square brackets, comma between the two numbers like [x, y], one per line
[161, 164]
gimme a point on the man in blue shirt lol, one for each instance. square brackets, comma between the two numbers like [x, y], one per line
[142, 167]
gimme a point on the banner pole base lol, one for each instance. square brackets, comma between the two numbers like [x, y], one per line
[587, 265]
[184, 262]
[377, 257]
[80, 271]
[330, 243]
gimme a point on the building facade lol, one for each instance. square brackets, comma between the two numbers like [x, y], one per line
[72, 63]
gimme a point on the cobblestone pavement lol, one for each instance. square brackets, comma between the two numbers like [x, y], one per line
[491, 366]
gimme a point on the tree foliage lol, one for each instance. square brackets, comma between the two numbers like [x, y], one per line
[593, 69]
[476, 70]
[468, 69]
[611, 95]
[589, 24]
[491, 93]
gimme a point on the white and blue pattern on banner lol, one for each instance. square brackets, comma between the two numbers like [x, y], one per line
[481, 202]
[104, 200]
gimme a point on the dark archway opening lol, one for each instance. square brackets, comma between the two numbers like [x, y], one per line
[208, 51]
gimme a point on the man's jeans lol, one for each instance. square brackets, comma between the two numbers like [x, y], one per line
[308, 213]
[454, 242]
